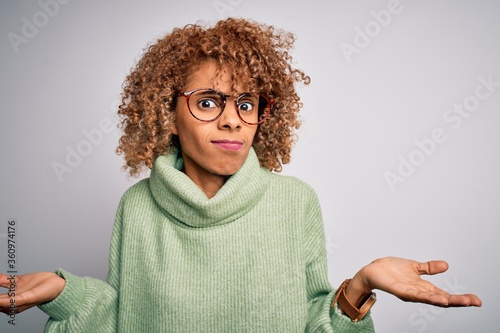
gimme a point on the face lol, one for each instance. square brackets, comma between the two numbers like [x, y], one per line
[217, 148]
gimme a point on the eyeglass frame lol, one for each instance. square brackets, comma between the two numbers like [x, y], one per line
[188, 94]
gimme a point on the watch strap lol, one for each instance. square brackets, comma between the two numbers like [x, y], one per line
[350, 310]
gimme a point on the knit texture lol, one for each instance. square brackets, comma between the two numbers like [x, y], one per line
[250, 259]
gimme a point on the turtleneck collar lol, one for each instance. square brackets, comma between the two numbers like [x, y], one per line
[183, 200]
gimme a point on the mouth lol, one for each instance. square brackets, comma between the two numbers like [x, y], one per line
[228, 144]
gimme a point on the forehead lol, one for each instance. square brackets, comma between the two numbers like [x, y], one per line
[209, 75]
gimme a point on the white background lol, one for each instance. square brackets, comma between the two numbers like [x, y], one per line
[362, 116]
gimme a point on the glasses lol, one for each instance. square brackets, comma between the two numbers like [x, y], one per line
[207, 105]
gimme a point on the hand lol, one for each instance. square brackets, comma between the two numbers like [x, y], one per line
[30, 290]
[401, 277]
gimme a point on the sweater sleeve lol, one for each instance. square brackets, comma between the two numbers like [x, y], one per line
[321, 318]
[88, 304]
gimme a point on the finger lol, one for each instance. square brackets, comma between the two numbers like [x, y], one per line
[427, 297]
[7, 309]
[439, 300]
[3, 280]
[23, 301]
[464, 300]
[447, 300]
[7, 280]
[432, 267]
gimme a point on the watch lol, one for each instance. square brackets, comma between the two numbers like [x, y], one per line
[350, 310]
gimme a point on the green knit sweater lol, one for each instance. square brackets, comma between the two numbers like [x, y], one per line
[250, 259]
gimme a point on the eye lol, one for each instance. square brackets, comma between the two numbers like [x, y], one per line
[207, 104]
[245, 105]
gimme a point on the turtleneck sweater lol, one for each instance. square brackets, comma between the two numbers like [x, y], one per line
[250, 259]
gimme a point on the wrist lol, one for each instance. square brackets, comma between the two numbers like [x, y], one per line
[358, 290]
[355, 312]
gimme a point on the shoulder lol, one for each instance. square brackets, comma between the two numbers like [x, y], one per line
[137, 201]
[291, 182]
[137, 192]
[292, 186]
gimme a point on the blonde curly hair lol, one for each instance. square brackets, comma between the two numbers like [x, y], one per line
[257, 55]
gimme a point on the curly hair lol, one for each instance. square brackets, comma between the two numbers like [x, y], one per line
[257, 54]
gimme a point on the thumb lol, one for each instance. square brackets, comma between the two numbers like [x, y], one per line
[6, 280]
[432, 267]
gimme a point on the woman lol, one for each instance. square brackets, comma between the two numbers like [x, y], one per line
[213, 241]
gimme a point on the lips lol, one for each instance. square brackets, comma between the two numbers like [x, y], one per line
[228, 144]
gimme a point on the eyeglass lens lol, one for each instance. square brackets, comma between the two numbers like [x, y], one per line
[207, 105]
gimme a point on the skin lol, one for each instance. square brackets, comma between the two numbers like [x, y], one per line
[209, 165]
[31, 290]
[401, 277]
[206, 161]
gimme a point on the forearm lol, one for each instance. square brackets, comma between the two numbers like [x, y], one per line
[358, 289]
[85, 305]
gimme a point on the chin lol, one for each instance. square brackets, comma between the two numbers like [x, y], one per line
[226, 173]
[228, 167]
[228, 170]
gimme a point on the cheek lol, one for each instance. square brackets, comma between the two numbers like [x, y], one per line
[181, 120]
[181, 126]
[252, 134]
[194, 137]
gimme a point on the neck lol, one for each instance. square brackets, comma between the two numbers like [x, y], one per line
[208, 182]
[188, 204]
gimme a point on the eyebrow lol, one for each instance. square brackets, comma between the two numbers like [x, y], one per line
[207, 93]
[215, 92]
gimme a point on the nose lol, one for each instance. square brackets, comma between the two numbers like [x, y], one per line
[230, 119]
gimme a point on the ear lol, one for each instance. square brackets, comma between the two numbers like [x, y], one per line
[167, 108]
[174, 129]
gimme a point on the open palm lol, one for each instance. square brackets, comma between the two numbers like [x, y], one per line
[402, 278]
[30, 290]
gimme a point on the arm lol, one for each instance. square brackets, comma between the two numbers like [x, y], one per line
[74, 304]
[87, 304]
[321, 316]
[400, 277]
